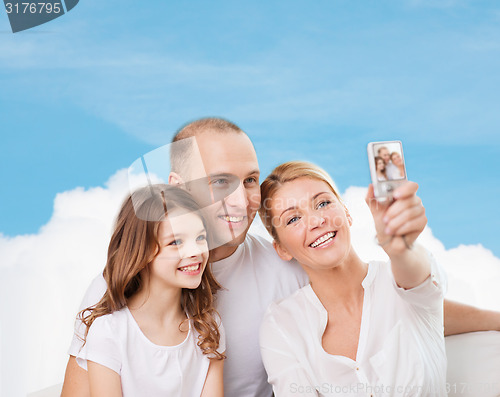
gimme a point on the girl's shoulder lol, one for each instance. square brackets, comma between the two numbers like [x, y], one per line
[111, 323]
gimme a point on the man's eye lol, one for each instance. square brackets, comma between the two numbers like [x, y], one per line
[292, 220]
[251, 180]
[219, 182]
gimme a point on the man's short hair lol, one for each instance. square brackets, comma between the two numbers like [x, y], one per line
[180, 151]
[381, 148]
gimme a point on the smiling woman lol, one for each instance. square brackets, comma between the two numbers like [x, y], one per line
[369, 327]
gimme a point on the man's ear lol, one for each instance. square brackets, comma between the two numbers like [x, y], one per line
[282, 252]
[175, 179]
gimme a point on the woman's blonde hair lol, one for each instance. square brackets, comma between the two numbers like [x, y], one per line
[133, 246]
[282, 174]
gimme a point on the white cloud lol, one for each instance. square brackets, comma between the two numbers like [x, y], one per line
[44, 277]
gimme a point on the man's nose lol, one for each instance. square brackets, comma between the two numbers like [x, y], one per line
[238, 198]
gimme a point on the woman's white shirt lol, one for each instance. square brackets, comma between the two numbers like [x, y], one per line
[146, 369]
[401, 344]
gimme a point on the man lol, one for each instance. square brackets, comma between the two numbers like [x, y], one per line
[247, 266]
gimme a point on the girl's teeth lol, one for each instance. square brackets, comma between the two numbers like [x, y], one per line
[189, 268]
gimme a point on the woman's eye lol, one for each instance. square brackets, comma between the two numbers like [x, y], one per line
[324, 204]
[175, 242]
[201, 237]
[292, 220]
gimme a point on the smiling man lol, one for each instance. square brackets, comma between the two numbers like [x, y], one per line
[251, 273]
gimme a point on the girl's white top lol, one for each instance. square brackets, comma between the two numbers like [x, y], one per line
[401, 348]
[146, 369]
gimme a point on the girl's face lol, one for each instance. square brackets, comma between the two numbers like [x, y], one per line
[380, 165]
[311, 224]
[184, 251]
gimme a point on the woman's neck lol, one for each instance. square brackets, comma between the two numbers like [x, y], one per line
[340, 285]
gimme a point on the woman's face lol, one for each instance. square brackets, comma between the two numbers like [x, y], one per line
[311, 224]
[380, 165]
[396, 159]
[184, 251]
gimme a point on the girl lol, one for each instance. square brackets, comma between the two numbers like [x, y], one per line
[380, 168]
[358, 329]
[155, 332]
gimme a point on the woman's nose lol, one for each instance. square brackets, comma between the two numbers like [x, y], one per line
[316, 220]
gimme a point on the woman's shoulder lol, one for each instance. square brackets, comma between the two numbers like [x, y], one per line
[291, 306]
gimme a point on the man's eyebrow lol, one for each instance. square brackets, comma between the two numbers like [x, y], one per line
[293, 207]
[221, 174]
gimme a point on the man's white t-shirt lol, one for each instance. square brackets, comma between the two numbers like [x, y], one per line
[252, 277]
[401, 347]
[392, 171]
[146, 369]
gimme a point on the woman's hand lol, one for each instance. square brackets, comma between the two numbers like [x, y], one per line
[398, 224]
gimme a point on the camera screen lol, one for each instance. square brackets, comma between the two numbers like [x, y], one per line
[389, 164]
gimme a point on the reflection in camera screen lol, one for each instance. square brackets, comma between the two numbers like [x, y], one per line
[389, 163]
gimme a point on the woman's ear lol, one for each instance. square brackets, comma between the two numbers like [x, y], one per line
[174, 179]
[282, 252]
[348, 215]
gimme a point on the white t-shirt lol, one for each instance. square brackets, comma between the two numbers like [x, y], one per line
[392, 171]
[146, 369]
[401, 343]
[252, 278]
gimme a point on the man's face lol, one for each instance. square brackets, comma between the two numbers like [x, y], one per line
[228, 159]
[384, 153]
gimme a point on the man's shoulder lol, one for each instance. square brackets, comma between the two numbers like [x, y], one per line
[94, 292]
[262, 252]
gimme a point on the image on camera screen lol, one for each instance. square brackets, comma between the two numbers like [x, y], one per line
[389, 163]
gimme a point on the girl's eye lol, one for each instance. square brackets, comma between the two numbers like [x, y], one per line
[201, 237]
[292, 220]
[175, 242]
[324, 203]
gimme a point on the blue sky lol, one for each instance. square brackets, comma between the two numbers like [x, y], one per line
[88, 93]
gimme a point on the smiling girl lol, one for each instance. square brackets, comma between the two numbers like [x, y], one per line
[358, 329]
[155, 332]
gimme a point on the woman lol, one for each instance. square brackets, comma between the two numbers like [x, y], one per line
[380, 168]
[398, 162]
[358, 328]
[155, 332]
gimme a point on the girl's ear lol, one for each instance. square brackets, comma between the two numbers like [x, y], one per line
[174, 179]
[282, 252]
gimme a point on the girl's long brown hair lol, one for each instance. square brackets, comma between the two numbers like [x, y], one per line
[133, 246]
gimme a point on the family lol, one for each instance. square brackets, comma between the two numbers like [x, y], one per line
[191, 304]
[389, 165]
